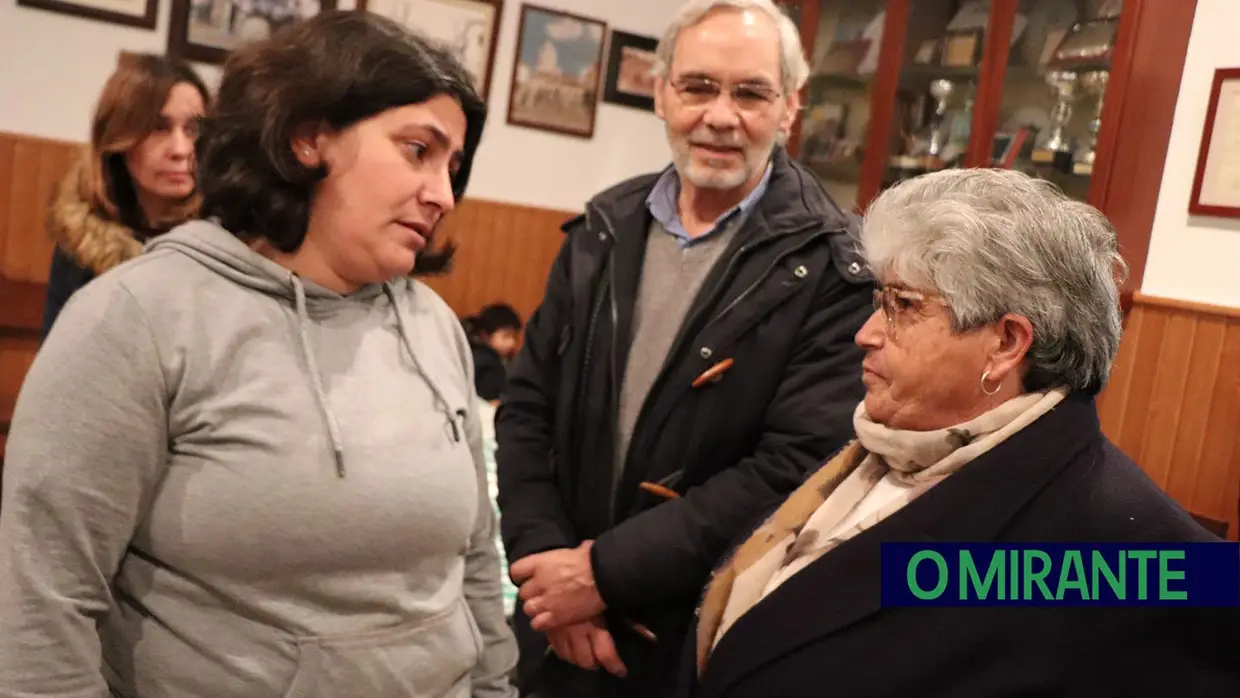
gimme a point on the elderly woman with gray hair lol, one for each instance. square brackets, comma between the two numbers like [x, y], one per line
[995, 326]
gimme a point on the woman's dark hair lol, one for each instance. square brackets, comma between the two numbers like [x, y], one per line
[130, 108]
[337, 68]
[492, 319]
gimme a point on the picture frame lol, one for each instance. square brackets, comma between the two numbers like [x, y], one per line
[131, 13]
[1216, 183]
[207, 30]
[631, 62]
[556, 72]
[467, 28]
[962, 49]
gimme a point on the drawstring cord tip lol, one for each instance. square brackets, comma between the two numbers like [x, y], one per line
[340, 463]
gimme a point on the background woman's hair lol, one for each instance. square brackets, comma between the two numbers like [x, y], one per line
[491, 319]
[994, 242]
[337, 68]
[130, 108]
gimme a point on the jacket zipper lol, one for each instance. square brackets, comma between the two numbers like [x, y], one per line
[591, 328]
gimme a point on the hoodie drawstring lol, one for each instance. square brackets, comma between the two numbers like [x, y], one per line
[312, 366]
[399, 308]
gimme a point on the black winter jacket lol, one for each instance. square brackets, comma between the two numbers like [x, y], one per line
[783, 303]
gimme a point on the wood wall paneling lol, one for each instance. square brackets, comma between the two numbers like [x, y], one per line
[1173, 402]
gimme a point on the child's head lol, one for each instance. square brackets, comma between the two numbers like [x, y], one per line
[499, 326]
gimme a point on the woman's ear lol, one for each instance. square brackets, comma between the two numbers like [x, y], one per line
[1015, 335]
[305, 146]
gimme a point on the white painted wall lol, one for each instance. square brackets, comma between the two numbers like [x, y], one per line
[1196, 258]
[52, 67]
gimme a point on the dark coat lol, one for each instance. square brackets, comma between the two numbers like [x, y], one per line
[1058, 480]
[490, 374]
[784, 303]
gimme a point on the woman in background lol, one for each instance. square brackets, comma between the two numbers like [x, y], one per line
[494, 338]
[134, 181]
[995, 328]
[249, 462]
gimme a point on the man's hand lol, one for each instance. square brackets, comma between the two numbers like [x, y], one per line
[558, 587]
[587, 645]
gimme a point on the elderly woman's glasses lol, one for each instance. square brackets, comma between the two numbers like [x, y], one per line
[897, 303]
[699, 91]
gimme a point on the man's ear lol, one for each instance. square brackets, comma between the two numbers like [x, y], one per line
[793, 103]
[660, 83]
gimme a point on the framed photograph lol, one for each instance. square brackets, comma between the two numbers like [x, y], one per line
[962, 49]
[555, 77]
[468, 28]
[1216, 185]
[132, 13]
[630, 70]
[206, 30]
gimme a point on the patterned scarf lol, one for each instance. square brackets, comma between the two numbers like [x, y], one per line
[805, 526]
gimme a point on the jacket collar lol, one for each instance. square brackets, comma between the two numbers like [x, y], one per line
[844, 586]
[92, 241]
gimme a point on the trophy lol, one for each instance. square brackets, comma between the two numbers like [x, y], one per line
[1094, 84]
[1056, 147]
[942, 91]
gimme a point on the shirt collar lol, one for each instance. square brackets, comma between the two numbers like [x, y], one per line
[662, 203]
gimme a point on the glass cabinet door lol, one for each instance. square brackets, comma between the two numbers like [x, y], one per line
[1051, 106]
[939, 73]
[836, 110]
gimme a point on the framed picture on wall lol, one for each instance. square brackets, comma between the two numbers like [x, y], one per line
[132, 13]
[631, 64]
[1216, 184]
[207, 30]
[467, 27]
[555, 77]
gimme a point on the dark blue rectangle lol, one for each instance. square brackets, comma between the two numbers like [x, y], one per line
[1076, 574]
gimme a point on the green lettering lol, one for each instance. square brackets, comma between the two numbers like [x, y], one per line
[1072, 563]
[1037, 577]
[1099, 564]
[1143, 558]
[1014, 577]
[911, 574]
[969, 576]
[1165, 574]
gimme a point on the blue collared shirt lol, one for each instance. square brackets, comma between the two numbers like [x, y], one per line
[663, 206]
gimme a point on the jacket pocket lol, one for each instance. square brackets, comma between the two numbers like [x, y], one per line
[431, 658]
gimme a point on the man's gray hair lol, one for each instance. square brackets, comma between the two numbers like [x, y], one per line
[794, 69]
[993, 242]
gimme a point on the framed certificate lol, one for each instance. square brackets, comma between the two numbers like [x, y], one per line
[1216, 186]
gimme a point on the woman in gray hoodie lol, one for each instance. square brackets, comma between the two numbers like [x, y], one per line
[248, 462]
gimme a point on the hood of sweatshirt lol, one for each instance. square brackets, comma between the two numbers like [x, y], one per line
[227, 255]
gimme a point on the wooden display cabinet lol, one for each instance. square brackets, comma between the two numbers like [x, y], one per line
[1079, 92]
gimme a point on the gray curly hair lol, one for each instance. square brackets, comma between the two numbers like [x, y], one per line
[794, 66]
[993, 242]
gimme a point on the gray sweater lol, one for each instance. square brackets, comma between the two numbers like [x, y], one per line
[225, 481]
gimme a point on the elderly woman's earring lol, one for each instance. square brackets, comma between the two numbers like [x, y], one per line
[986, 375]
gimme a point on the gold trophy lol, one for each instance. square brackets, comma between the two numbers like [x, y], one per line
[1094, 84]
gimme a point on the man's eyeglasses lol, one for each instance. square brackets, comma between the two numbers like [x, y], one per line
[897, 302]
[699, 91]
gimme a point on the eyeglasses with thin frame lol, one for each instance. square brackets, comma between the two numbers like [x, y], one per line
[898, 302]
[699, 91]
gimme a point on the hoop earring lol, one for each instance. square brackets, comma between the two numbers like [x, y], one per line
[985, 375]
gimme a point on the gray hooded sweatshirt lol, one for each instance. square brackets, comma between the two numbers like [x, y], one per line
[224, 481]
